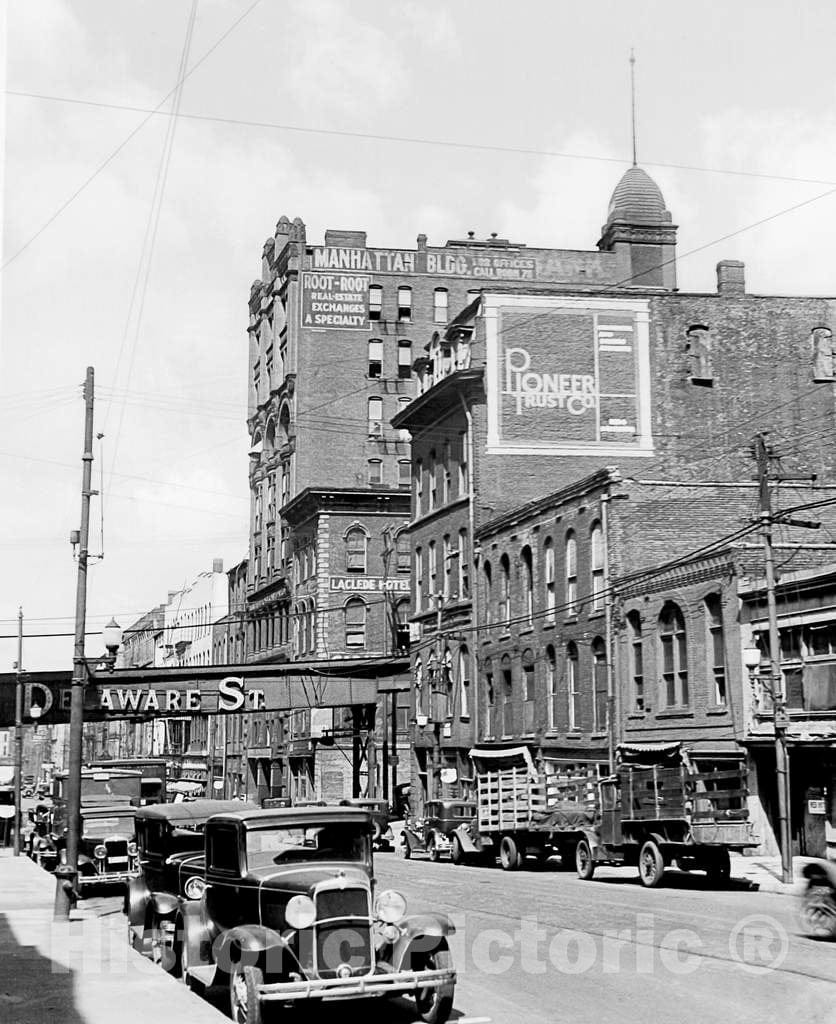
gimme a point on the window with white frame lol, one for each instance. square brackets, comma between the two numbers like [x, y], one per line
[403, 433]
[548, 576]
[433, 481]
[404, 472]
[418, 488]
[356, 544]
[440, 305]
[551, 686]
[404, 359]
[432, 568]
[375, 358]
[572, 685]
[375, 301]
[402, 550]
[375, 408]
[596, 564]
[375, 471]
[716, 648]
[528, 583]
[464, 682]
[404, 303]
[419, 579]
[445, 472]
[673, 646]
[528, 690]
[447, 567]
[355, 623]
[571, 564]
[463, 482]
[636, 655]
[464, 566]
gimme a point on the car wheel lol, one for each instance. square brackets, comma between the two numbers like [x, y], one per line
[584, 862]
[651, 864]
[432, 850]
[818, 913]
[245, 1005]
[434, 1005]
[405, 848]
[509, 856]
[718, 869]
[456, 851]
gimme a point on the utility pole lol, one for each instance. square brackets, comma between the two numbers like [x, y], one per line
[779, 714]
[66, 881]
[18, 818]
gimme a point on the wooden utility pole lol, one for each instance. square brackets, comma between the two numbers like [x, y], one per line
[18, 816]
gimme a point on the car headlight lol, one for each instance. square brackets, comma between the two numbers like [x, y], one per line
[43, 844]
[389, 906]
[300, 912]
[100, 852]
[132, 849]
[194, 888]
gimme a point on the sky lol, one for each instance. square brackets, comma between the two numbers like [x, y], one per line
[437, 117]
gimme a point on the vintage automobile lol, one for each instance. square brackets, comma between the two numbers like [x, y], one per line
[382, 835]
[434, 833]
[169, 840]
[107, 851]
[290, 914]
[818, 901]
[40, 845]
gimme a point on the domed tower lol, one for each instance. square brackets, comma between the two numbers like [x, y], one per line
[639, 229]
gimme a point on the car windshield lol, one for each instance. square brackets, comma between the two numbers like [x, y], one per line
[299, 843]
[99, 828]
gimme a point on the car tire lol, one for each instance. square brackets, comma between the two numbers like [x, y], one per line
[456, 851]
[818, 913]
[584, 861]
[244, 1004]
[405, 848]
[509, 855]
[651, 864]
[434, 1005]
[432, 850]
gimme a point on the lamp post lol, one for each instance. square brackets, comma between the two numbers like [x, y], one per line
[771, 682]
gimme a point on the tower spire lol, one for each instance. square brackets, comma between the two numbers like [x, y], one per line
[633, 99]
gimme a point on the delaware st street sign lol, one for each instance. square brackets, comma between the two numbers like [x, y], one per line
[224, 689]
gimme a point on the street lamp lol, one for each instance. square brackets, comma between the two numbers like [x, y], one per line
[770, 681]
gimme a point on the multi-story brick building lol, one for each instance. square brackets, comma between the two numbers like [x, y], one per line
[533, 394]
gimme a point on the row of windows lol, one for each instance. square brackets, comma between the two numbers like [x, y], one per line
[440, 303]
[450, 579]
[443, 478]
[357, 550]
[404, 358]
[375, 416]
[699, 346]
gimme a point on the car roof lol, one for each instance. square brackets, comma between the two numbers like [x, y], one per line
[283, 816]
[107, 810]
[189, 810]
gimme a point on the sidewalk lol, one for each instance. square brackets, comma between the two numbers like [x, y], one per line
[765, 873]
[80, 971]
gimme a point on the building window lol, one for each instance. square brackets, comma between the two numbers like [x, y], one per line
[375, 358]
[402, 550]
[419, 579]
[634, 627]
[490, 699]
[572, 685]
[551, 686]
[505, 590]
[403, 433]
[404, 359]
[402, 625]
[464, 682]
[375, 471]
[375, 406]
[447, 567]
[419, 487]
[404, 473]
[821, 340]
[674, 657]
[599, 685]
[528, 690]
[464, 568]
[548, 573]
[404, 303]
[440, 299]
[432, 568]
[698, 349]
[596, 563]
[375, 301]
[445, 473]
[507, 696]
[420, 697]
[528, 583]
[447, 680]
[355, 623]
[487, 572]
[356, 543]
[571, 573]
[716, 647]
[463, 482]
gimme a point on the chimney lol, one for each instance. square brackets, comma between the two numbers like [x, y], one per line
[217, 565]
[422, 243]
[171, 595]
[730, 278]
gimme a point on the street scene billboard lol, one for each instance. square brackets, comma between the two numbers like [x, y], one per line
[335, 299]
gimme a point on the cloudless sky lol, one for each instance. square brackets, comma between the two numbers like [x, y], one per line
[746, 87]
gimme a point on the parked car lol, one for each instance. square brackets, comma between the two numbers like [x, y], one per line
[818, 902]
[434, 832]
[107, 851]
[382, 835]
[289, 914]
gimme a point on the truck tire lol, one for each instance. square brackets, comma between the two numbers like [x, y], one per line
[456, 851]
[718, 868]
[651, 865]
[509, 855]
[584, 863]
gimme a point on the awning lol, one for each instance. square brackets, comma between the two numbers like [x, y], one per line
[182, 786]
[647, 753]
[7, 774]
[498, 757]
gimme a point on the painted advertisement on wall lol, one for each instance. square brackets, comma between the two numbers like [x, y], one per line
[568, 375]
[335, 299]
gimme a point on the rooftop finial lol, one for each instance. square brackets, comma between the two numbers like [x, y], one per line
[633, 99]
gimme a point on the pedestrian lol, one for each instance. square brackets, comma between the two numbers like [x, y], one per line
[7, 815]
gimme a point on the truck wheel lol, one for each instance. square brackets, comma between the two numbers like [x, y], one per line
[651, 864]
[718, 869]
[456, 851]
[509, 856]
[584, 862]
[434, 1005]
[245, 1005]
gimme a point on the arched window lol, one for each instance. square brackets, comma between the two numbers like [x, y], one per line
[447, 566]
[528, 582]
[504, 590]
[375, 405]
[572, 685]
[420, 696]
[311, 627]
[432, 568]
[487, 573]
[433, 480]
[464, 682]
[596, 566]
[548, 575]
[418, 493]
[440, 302]
[402, 550]
[402, 624]
[636, 654]
[716, 648]
[356, 543]
[571, 558]
[823, 362]
[673, 649]
[284, 425]
[490, 699]
[464, 566]
[404, 359]
[551, 686]
[449, 682]
[419, 579]
[355, 623]
[507, 696]
[375, 358]
[528, 690]
[404, 303]
[599, 685]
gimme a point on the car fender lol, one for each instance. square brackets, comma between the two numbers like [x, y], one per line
[137, 897]
[422, 932]
[462, 833]
[252, 944]
[164, 903]
[820, 872]
[198, 933]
